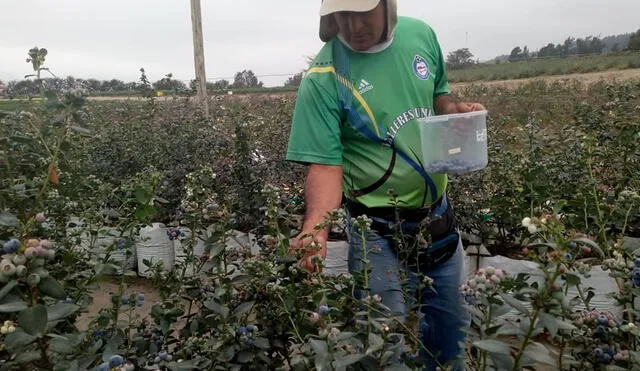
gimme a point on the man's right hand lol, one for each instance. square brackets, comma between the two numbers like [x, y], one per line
[314, 245]
[323, 193]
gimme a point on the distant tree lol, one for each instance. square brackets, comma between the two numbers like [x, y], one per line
[246, 79]
[294, 80]
[211, 86]
[596, 46]
[634, 41]
[460, 58]
[568, 47]
[615, 48]
[583, 46]
[547, 51]
[92, 85]
[114, 85]
[516, 54]
[23, 88]
[169, 83]
[526, 54]
[221, 85]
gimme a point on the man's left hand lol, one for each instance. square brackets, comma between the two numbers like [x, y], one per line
[445, 105]
[463, 107]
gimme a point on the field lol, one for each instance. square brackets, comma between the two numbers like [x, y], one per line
[561, 190]
[546, 67]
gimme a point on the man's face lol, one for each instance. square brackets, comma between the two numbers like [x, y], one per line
[362, 30]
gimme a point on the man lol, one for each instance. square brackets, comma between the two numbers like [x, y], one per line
[356, 127]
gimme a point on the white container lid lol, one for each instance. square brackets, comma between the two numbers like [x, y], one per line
[442, 118]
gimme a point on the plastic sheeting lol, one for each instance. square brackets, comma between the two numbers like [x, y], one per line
[337, 253]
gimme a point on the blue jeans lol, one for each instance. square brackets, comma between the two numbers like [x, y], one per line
[444, 318]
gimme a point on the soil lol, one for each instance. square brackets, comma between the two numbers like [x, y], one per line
[102, 298]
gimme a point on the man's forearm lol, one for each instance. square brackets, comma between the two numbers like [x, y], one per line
[323, 193]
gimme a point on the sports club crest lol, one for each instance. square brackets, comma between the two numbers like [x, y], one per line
[420, 67]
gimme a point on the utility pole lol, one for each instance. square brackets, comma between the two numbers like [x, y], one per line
[198, 54]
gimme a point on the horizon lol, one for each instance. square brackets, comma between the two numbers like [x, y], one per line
[101, 41]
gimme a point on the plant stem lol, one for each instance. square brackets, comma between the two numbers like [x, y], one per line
[562, 346]
[293, 324]
[527, 338]
[602, 232]
[581, 294]
[43, 354]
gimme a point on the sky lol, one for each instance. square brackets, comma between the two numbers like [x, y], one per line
[114, 38]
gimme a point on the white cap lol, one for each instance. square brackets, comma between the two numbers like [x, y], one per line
[328, 26]
[333, 6]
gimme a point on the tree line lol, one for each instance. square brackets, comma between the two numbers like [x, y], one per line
[463, 58]
[30, 87]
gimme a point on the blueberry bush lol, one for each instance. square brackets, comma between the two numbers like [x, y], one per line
[80, 179]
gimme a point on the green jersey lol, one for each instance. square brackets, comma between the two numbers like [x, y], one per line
[390, 89]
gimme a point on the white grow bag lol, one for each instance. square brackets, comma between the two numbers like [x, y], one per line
[155, 246]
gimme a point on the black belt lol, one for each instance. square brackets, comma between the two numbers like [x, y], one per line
[404, 214]
[444, 236]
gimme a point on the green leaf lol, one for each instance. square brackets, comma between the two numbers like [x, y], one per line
[81, 130]
[245, 356]
[501, 361]
[375, 342]
[347, 360]
[52, 100]
[564, 325]
[212, 305]
[321, 351]
[261, 343]
[61, 310]
[18, 339]
[216, 249]
[539, 353]
[227, 354]
[8, 220]
[509, 329]
[66, 366]
[62, 346]
[50, 287]
[243, 308]
[34, 320]
[5, 290]
[550, 322]
[493, 346]
[572, 279]
[142, 196]
[516, 304]
[85, 362]
[144, 212]
[185, 365]
[28, 356]
[240, 279]
[112, 347]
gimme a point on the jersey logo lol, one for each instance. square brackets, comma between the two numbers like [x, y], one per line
[364, 86]
[421, 67]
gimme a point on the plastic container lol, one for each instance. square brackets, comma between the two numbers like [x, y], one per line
[154, 246]
[454, 144]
